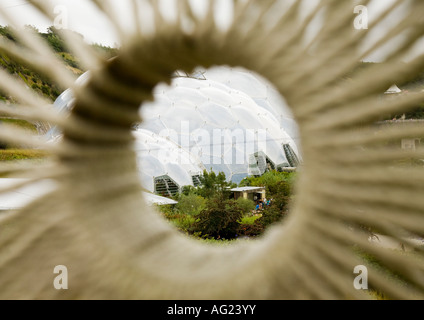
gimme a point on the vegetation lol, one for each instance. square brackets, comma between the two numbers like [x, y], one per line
[191, 204]
[34, 80]
[21, 154]
[220, 219]
[213, 185]
[274, 182]
[37, 82]
[207, 212]
[11, 152]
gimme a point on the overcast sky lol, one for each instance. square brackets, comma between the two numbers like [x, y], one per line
[83, 17]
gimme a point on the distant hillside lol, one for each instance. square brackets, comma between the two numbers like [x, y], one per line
[34, 80]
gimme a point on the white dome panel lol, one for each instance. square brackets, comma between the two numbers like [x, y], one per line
[229, 122]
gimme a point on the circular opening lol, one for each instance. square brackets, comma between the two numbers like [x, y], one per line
[218, 150]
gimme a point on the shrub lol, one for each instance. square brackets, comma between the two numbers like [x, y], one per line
[220, 218]
[251, 229]
[167, 210]
[45, 89]
[273, 181]
[249, 219]
[184, 222]
[212, 184]
[246, 205]
[186, 190]
[271, 215]
[279, 205]
[7, 32]
[54, 40]
[191, 204]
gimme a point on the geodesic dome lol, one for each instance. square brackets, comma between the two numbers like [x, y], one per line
[262, 92]
[225, 127]
[63, 104]
[165, 167]
[196, 123]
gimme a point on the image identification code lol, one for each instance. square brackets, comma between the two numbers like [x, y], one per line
[225, 309]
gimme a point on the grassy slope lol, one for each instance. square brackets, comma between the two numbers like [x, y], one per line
[36, 82]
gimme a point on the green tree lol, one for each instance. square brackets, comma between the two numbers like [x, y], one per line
[278, 209]
[220, 219]
[191, 204]
[54, 40]
[214, 184]
[246, 205]
[272, 181]
[186, 190]
[279, 188]
[7, 32]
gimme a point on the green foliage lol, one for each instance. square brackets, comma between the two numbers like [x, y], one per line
[190, 204]
[45, 89]
[70, 60]
[35, 80]
[279, 188]
[273, 181]
[281, 195]
[274, 213]
[220, 218]
[54, 40]
[250, 220]
[7, 32]
[206, 211]
[186, 190]
[246, 205]
[183, 222]
[167, 210]
[213, 184]
[251, 229]
[21, 154]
